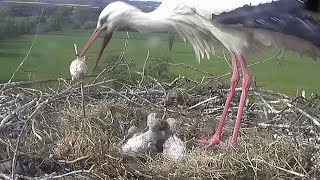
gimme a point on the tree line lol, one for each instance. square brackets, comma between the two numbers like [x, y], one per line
[18, 19]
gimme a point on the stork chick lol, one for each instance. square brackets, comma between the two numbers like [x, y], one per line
[173, 148]
[78, 68]
[144, 143]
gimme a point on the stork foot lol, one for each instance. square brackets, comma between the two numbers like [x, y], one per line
[214, 140]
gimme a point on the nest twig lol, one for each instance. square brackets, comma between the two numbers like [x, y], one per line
[265, 110]
[279, 135]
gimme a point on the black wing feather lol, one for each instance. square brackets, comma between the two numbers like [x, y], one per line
[289, 17]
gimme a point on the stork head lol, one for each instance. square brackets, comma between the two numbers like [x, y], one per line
[153, 122]
[113, 16]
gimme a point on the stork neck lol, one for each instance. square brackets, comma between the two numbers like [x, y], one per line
[147, 22]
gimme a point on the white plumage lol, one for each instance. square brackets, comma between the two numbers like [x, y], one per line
[173, 148]
[144, 143]
[78, 69]
[242, 26]
[192, 20]
[206, 8]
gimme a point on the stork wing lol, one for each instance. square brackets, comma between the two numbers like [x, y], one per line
[282, 23]
[192, 20]
[244, 24]
[206, 8]
[186, 17]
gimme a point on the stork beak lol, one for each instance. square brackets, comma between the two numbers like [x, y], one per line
[92, 38]
[105, 42]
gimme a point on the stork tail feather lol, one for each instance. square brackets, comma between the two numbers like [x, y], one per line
[280, 40]
[171, 40]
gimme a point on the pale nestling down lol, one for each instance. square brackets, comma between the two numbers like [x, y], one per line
[144, 143]
[78, 69]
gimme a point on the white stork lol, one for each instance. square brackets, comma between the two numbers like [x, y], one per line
[242, 26]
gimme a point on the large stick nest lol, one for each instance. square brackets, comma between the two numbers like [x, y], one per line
[58, 131]
[45, 134]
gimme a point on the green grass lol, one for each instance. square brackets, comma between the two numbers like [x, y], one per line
[53, 52]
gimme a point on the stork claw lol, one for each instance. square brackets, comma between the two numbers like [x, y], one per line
[214, 140]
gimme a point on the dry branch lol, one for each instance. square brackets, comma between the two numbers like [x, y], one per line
[53, 176]
[144, 68]
[16, 111]
[82, 143]
[202, 102]
[180, 102]
[27, 55]
[185, 66]
[126, 43]
[313, 119]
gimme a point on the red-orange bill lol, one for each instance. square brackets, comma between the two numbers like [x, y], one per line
[92, 38]
[105, 42]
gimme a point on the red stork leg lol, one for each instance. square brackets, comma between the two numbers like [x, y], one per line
[245, 88]
[215, 139]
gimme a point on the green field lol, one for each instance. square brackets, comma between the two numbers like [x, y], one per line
[52, 54]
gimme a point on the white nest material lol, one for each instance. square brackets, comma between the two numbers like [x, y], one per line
[78, 69]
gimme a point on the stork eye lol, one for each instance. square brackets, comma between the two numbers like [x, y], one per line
[103, 20]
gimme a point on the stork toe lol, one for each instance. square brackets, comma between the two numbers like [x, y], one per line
[214, 140]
